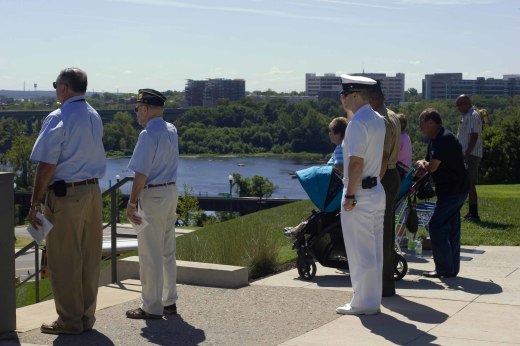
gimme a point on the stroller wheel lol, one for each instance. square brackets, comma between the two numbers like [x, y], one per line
[306, 267]
[401, 267]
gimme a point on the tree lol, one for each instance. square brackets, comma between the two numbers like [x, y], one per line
[188, 207]
[120, 134]
[18, 157]
[411, 95]
[256, 187]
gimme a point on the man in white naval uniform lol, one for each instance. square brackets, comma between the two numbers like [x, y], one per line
[364, 197]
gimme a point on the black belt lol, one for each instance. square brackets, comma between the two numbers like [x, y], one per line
[158, 185]
[93, 181]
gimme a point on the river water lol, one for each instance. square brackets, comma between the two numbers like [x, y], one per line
[209, 176]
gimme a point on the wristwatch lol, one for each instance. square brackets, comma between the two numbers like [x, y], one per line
[131, 204]
[352, 197]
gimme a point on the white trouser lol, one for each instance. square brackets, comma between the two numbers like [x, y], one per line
[363, 234]
[156, 245]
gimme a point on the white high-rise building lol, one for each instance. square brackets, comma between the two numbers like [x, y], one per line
[393, 87]
[329, 85]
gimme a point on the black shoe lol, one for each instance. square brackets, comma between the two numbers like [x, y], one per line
[472, 218]
[388, 291]
[170, 309]
[141, 314]
[434, 274]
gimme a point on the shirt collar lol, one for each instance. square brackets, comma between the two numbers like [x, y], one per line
[73, 99]
[470, 111]
[154, 121]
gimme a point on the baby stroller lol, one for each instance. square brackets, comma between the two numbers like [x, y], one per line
[319, 237]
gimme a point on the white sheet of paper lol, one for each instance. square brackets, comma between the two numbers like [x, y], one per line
[40, 233]
[144, 223]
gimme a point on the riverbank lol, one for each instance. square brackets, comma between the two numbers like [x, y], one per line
[314, 157]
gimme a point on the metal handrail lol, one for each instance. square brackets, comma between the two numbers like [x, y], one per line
[113, 224]
[112, 191]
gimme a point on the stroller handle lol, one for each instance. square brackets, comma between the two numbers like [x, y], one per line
[419, 182]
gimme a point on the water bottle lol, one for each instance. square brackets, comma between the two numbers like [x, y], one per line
[411, 244]
[418, 248]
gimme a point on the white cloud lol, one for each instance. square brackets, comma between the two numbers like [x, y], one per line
[269, 13]
[415, 62]
[276, 72]
[362, 4]
[447, 2]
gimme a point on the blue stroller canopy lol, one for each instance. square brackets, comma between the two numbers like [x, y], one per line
[406, 184]
[323, 186]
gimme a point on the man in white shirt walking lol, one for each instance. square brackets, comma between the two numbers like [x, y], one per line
[469, 135]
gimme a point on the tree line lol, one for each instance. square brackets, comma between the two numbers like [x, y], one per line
[278, 126]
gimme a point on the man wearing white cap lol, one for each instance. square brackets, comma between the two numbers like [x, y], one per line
[364, 197]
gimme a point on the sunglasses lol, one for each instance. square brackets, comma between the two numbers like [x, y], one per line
[136, 108]
[55, 84]
[346, 93]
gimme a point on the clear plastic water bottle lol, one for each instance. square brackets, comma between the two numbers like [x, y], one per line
[418, 247]
[411, 244]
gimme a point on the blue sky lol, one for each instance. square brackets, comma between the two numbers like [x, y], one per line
[125, 45]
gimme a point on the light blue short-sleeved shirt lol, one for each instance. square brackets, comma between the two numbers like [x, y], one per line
[156, 153]
[72, 138]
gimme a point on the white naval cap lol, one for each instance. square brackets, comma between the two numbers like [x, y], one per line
[355, 83]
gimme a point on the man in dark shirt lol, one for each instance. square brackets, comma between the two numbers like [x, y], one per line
[445, 161]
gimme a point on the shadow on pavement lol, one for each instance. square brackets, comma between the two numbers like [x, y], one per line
[414, 311]
[457, 284]
[172, 330]
[89, 338]
[472, 286]
[396, 331]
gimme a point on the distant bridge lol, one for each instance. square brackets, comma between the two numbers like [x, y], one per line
[170, 114]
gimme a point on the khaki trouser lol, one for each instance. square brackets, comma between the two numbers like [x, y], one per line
[157, 248]
[74, 254]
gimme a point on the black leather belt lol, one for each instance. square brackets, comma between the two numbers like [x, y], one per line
[93, 181]
[158, 185]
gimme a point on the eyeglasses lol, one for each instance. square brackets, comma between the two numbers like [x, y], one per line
[55, 84]
[136, 108]
[346, 93]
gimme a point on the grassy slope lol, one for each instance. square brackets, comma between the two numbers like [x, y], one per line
[226, 242]
[498, 209]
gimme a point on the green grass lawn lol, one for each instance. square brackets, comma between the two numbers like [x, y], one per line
[23, 241]
[500, 218]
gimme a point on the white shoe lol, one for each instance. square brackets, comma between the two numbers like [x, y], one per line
[349, 310]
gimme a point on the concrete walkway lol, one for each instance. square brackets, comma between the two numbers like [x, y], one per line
[480, 307]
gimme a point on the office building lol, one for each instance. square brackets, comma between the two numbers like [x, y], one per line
[322, 87]
[329, 86]
[194, 92]
[439, 86]
[208, 92]
[393, 87]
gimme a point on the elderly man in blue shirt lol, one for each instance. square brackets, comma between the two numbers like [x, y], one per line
[71, 158]
[154, 198]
